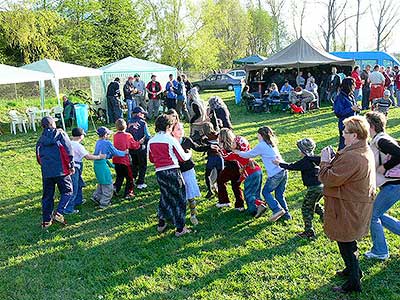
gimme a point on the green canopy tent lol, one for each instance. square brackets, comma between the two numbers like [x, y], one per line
[249, 60]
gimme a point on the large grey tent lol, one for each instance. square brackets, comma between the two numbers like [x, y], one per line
[300, 54]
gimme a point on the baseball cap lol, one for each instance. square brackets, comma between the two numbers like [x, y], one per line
[386, 93]
[46, 121]
[139, 109]
[78, 131]
[136, 75]
[102, 131]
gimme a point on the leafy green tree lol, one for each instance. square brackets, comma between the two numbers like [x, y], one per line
[259, 31]
[27, 35]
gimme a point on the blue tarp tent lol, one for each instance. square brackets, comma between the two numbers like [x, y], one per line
[253, 59]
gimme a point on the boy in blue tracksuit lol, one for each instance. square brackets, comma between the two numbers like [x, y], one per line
[137, 127]
[55, 156]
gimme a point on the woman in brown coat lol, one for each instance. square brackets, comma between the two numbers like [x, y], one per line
[349, 190]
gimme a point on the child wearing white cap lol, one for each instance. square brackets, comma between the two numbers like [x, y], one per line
[382, 104]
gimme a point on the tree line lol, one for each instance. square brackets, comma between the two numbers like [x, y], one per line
[190, 34]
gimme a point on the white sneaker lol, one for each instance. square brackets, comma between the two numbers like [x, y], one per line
[142, 186]
[370, 254]
[239, 208]
[276, 215]
[219, 205]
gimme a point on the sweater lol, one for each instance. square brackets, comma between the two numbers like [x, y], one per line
[309, 168]
[165, 152]
[244, 164]
[122, 142]
[267, 153]
[187, 143]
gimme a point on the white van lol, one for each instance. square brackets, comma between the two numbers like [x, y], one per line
[238, 74]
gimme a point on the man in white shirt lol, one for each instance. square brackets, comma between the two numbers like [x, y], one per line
[377, 83]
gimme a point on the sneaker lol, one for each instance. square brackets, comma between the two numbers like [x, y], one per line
[142, 186]
[260, 210]
[219, 205]
[306, 234]
[194, 220]
[370, 254]
[130, 196]
[161, 229]
[94, 199]
[104, 206]
[277, 215]
[287, 216]
[46, 224]
[239, 208]
[75, 211]
[183, 232]
[59, 218]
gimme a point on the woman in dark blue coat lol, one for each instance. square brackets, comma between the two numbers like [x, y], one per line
[345, 105]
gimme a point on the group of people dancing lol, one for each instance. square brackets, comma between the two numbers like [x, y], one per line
[351, 207]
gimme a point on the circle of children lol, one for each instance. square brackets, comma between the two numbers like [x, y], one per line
[351, 206]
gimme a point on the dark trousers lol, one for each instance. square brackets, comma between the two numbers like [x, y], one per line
[123, 172]
[114, 111]
[230, 173]
[349, 253]
[64, 184]
[365, 98]
[170, 103]
[139, 164]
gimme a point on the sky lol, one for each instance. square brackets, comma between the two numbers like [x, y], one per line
[315, 12]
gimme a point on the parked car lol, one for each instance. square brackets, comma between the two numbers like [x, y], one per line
[217, 82]
[239, 74]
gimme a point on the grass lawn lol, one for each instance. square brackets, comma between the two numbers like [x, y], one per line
[117, 254]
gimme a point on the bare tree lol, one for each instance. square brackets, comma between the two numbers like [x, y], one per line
[388, 17]
[334, 18]
[358, 24]
[297, 18]
[275, 7]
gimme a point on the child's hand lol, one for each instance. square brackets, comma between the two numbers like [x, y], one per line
[127, 151]
[214, 147]
[141, 141]
[102, 156]
[276, 162]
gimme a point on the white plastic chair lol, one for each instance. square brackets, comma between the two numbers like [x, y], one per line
[16, 119]
[34, 116]
[56, 110]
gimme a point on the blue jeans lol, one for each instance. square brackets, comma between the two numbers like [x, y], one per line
[276, 183]
[77, 184]
[252, 189]
[387, 197]
[131, 104]
[64, 185]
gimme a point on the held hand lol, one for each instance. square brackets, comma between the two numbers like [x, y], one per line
[189, 152]
[276, 162]
[141, 141]
[215, 147]
[381, 170]
[72, 171]
[102, 156]
[355, 108]
[127, 151]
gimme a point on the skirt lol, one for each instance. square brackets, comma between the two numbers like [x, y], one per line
[192, 188]
[172, 205]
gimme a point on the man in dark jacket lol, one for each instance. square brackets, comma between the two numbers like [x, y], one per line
[55, 156]
[366, 88]
[113, 105]
[128, 95]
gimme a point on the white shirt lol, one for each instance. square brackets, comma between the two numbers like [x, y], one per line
[79, 151]
[376, 77]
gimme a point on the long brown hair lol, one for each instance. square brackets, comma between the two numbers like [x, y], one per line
[226, 138]
[268, 136]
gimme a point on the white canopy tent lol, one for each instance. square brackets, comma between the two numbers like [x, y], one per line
[9, 75]
[60, 70]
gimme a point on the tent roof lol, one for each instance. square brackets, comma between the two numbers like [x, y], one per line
[301, 54]
[253, 59]
[132, 64]
[62, 70]
[9, 74]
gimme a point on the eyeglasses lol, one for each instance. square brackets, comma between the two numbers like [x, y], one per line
[346, 132]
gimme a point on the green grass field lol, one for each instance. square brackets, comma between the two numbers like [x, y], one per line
[117, 254]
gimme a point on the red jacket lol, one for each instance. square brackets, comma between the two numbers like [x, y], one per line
[124, 141]
[357, 78]
[397, 80]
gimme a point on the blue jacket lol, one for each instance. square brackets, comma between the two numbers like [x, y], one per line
[139, 130]
[54, 153]
[170, 89]
[342, 107]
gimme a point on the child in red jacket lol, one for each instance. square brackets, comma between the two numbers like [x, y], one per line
[124, 141]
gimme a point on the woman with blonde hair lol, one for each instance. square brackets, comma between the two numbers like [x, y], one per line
[349, 191]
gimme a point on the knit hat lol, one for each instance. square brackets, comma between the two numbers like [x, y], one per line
[306, 146]
[242, 143]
